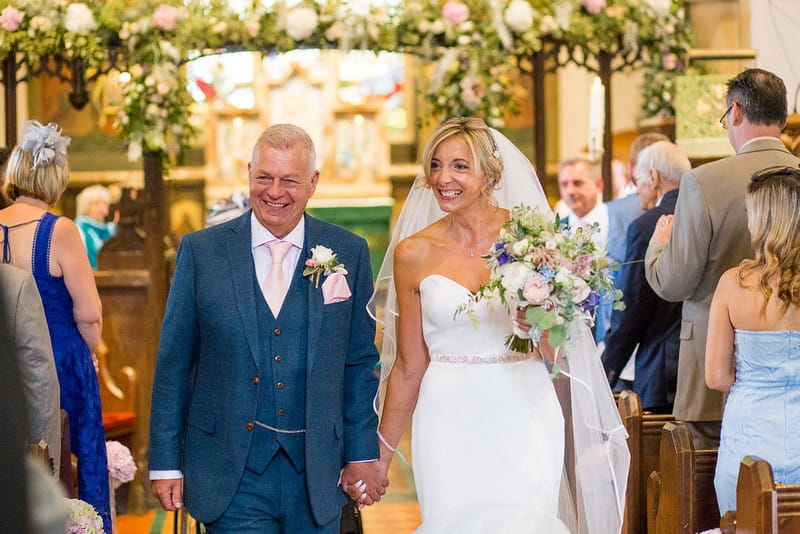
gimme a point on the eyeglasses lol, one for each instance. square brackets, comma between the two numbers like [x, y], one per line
[723, 121]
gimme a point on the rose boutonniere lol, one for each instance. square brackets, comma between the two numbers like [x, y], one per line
[323, 262]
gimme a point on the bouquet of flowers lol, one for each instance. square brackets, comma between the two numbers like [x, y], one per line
[83, 519]
[556, 274]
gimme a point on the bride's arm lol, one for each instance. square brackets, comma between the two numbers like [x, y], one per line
[412, 354]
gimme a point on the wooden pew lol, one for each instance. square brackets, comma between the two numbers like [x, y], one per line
[681, 492]
[644, 439]
[763, 506]
[118, 398]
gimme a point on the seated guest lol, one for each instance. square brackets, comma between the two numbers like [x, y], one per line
[30, 345]
[648, 320]
[754, 325]
[92, 206]
[50, 248]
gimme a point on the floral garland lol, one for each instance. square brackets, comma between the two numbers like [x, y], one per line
[472, 43]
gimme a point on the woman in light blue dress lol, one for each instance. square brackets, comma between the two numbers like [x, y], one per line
[755, 322]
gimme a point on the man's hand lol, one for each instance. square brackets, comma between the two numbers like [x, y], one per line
[370, 474]
[663, 230]
[169, 492]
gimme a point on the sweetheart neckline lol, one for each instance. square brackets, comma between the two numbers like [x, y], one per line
[462, 286]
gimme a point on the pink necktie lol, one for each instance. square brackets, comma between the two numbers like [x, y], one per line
[275, 285]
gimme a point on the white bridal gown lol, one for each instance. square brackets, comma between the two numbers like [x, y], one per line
[487, 431]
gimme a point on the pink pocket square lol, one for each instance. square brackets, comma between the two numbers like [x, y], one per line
[335, 288]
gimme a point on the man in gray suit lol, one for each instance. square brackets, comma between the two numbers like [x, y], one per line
[264, 383]
[33, 354]
[685, 260]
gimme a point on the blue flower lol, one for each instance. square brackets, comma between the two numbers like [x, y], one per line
[591, 301]
[503, 258]
[547, 273]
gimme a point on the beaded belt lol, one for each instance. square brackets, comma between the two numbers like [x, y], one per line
[505, 358]
[279, 430]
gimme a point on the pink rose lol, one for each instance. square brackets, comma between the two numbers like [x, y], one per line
[311, 263]
[166, 17]
[581, 289]
[455, 12]
[536, 289]
[584, 265]
[335, 288]
[594, 6]
[11, 18]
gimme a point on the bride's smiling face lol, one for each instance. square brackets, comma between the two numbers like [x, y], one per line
[456, 179]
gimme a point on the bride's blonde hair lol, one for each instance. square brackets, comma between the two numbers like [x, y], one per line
[481, 144]
[773, 217]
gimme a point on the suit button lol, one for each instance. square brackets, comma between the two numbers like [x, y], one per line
[280, 385]
[278, 358]
[277, 331]
[250, 427]
[281, 412]
[255, 380]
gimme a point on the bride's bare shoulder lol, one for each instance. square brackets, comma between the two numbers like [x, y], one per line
[416, 249]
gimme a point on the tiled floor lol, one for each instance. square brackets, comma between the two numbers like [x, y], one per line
[397, 513]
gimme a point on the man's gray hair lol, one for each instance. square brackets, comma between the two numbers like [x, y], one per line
[286, 137]
[666, 158]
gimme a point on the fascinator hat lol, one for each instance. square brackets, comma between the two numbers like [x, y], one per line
[592, 495]
[45, 143]
[38, 165]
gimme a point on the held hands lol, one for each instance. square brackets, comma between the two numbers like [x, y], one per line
[169, 493]
[663, 230]
[365, 482]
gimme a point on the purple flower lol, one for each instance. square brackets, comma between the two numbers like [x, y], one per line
[591, 301]
[503, 258]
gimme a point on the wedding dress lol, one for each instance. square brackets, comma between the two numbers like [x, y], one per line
[487, 431]
[494, 451]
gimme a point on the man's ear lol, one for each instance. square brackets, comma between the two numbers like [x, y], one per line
[655, 176]
[736, 115]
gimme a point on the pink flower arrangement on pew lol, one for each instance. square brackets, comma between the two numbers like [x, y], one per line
[121, 466]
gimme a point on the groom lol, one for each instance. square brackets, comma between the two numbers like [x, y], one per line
[264, 380]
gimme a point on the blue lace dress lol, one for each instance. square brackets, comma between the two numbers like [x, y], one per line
[761, 413]
[80, 392]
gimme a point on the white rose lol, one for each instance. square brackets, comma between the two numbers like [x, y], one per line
[437, 26]
[79, 18]
[321, 254]
[581, 289]
[661, 7]
[519, 248]
[519, 16]
[563, 277]
[301, 23]
[463, 40]
[514, 276]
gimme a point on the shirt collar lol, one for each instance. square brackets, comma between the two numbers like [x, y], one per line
[260, 235]
[597, 212]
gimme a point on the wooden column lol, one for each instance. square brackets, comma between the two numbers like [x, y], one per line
[604, 72]
[10, 93]
[539, 124]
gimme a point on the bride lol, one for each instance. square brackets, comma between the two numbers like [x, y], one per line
[493, 450]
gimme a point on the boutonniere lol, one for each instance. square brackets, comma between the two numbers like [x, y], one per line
[323, 262]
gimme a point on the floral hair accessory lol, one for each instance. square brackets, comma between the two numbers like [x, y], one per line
[45, 143]
[322, 263]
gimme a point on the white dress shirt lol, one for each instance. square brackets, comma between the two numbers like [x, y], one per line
[599, 215]
[262, 260]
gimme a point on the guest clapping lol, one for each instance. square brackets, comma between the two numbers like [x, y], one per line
[50, 248]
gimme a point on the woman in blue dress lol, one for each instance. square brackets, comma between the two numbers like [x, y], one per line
[50, 247]
[755, 324]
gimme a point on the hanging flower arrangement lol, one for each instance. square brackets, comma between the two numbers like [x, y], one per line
[472, 45]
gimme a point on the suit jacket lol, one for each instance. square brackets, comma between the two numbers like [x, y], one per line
[205, 392]
[647, 320]
[33, 353]
[709, 236]
[621, 213]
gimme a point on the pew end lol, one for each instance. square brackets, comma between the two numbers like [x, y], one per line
[764, 506]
